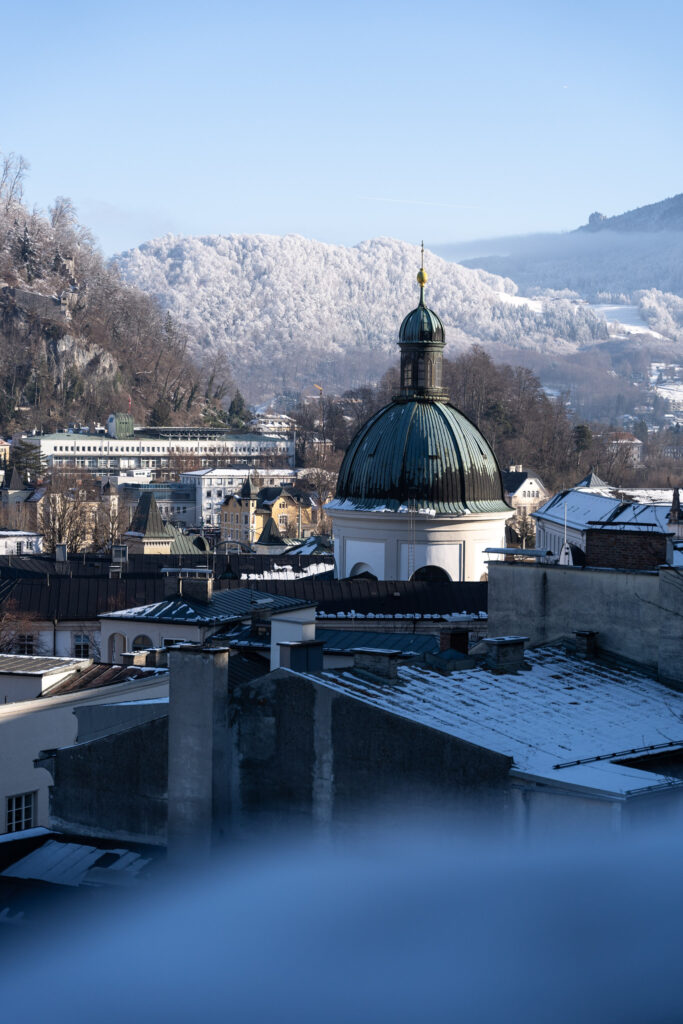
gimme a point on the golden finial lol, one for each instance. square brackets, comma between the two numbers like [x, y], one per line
[422, 273]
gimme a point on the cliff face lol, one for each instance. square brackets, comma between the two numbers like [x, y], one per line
[49, 373]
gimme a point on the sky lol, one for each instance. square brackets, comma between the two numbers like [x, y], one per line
[445, 121]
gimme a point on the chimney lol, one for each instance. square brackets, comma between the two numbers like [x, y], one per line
[199, 751]
[200, 590]
[139, 658]
[377, 662]
[454, 640]
[302, 656]
[60, 553]
[586, 642]
[505, 653]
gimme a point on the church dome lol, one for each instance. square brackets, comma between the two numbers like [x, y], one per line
[423, 455]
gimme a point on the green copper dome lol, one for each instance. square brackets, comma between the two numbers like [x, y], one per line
[424, 455]
[422, 324]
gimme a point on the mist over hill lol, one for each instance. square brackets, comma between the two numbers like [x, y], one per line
[289, 311]
[609, 258]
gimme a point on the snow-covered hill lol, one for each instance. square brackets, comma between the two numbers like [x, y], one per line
[291, 311]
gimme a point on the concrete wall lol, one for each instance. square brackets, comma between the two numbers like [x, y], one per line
[637, 615]
[307, 752]
[199, 751]
[115, 786]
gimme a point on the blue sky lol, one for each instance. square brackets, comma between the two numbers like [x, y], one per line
[447, 121]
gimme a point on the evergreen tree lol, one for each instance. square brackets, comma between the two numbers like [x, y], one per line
[238, 414]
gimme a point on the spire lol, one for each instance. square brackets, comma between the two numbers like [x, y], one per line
[675, 513]
[422, 275]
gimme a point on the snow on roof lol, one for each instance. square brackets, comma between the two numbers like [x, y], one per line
[561, 709]
[590, 507]
[287, 572]
[223, 606]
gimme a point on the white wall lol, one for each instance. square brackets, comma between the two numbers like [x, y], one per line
[395, 544]
[290, 627]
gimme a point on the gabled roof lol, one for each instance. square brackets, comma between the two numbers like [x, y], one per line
[15, 483]
[271, 536]
[513, 480]
[147, 521]
[591, 480]
[224, 606]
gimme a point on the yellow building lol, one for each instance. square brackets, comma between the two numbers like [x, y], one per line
[244, 515]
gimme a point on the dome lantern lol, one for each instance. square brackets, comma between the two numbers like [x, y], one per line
[421, 339]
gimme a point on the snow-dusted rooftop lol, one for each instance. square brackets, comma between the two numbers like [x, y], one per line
[560, 709]
[588, 507]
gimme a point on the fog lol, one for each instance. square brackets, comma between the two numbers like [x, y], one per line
[408, 923]
[593, 264]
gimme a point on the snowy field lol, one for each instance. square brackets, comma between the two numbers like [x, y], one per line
[627, 317]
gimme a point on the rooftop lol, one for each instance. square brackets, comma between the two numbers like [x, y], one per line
[586, 508]
[224, 606]
[562, 709]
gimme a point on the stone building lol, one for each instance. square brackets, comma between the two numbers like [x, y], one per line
[419, 493]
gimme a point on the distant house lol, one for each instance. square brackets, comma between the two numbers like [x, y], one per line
[631, 449]
[191, 616]
[245, 515]
[575, 513]
[20, 542]
[524, 490]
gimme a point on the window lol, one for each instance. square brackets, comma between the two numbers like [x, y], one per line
[25, 643]
[169, 641]
[20, 812]
[81, 645]
[142, 643]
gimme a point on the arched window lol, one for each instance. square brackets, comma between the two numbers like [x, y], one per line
[364, 570]
[142, 643]
[431, 574]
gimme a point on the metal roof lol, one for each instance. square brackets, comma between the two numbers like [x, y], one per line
[224, 606]
[28, 665]
[347, 640]
[147, 519]
[364, 598]
[422, 455]
[565, 720]
[422, 324]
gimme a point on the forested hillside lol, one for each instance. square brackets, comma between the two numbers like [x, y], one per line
[287, 312]
[76, 341]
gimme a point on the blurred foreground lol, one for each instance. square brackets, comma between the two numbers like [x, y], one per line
[399, 924]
